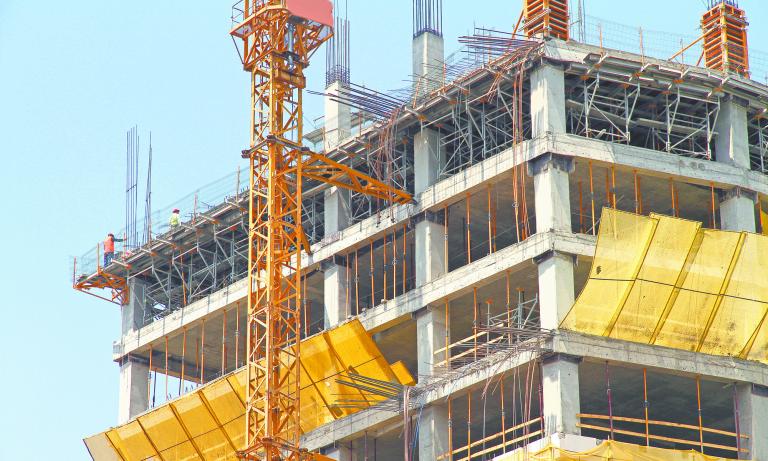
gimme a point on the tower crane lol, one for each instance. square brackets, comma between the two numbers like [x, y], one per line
[278, 37]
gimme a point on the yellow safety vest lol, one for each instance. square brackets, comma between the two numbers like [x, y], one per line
[174, 221]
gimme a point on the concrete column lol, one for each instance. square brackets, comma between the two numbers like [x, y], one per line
[335, 277]
[433, 432]
[753, 408]
[132, 313]
[428, 57]
[429, 250]
[133, 399]
[732, 142]
[134, 374]
[335, 285]
[338, 119]
[431, 336]
[556, 288]
[427, 158]
[737, 210]
[560, 387]
[336, 210]
[547, 101]
[340, 453]
[552, 194]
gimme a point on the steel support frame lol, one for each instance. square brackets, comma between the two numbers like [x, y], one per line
[479, 124]
[628, 110]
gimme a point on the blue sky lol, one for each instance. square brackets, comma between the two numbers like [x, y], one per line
[74, 76]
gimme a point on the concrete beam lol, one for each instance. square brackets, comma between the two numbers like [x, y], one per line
[654, 163]
[668, 360]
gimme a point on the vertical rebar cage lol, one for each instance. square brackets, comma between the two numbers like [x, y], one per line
[337, 55]
[547, 17]
[724, 28]
[428, 17]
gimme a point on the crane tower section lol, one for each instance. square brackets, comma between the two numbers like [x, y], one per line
[278, 37]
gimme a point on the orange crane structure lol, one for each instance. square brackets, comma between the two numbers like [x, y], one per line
[278, 37]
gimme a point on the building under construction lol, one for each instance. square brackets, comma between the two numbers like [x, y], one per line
[544, 247]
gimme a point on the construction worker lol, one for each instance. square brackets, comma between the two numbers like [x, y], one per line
[175, 220]
[109, 248]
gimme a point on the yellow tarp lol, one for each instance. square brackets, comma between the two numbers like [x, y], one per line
[209, 423]
[666, 281]
[608, 451]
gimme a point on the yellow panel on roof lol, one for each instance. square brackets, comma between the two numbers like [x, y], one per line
[666, 281]
[209, 423]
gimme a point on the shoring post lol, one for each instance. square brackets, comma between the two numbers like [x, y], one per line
[149, 379]
[474, 321]
[357, 285]
[509, 306]
[202, 352]
[581, 208]
[736, 418]
[448, 334]
[237, 331]
[610, 400]
[450, 428]
[592, 195]
[224, 342]
[490, 223]
[405, 257]
[698, 406]
[503, 414]
[347, 303]
[165, 399]
[469, 232]
[394, 263]
[445, 238]
[183, 358]
[384, 268]
[712, 195]
[645, 407]
[541, 397]
[373, 284]
[469, 425]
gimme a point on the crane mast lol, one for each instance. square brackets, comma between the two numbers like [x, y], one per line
[278, 37]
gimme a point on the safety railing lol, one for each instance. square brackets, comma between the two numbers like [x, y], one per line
[648, 430]
[230, 187]
[497, 443]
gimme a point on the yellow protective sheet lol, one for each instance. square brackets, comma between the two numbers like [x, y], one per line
[666, 281]
[608, 451]
[209, 423]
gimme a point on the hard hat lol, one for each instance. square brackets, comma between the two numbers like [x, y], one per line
[176, 210]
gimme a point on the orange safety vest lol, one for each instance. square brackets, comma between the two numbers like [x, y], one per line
[109, 245]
